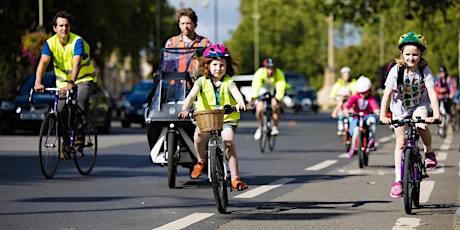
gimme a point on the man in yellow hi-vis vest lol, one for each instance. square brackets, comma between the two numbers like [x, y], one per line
[71, 60]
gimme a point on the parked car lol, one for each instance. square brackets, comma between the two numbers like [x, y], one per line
[20, 114]
[301, 93]
[135, 104]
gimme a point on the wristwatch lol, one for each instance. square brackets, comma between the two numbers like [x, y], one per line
[72, 82]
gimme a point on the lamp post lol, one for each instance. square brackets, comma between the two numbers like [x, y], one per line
[256, 17]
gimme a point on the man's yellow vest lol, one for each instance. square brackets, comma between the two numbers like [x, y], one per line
[206, 98]
[63, 61]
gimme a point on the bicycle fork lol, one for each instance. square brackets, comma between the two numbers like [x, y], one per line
[215, 147]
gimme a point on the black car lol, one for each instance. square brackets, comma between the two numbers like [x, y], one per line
[301, 93]
[135, 104]
[20, 114]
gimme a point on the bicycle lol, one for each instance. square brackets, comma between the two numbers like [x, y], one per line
[218, 169]
[345, 134]
[413, 170]
[65, 135]
[267, 122]
[362, 141]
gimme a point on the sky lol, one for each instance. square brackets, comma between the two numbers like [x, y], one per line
[228, 17]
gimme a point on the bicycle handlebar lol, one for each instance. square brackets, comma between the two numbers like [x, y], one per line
[404, 121]
[50, 89]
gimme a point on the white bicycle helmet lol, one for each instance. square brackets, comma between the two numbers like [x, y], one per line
[345, 69]
[363, 84]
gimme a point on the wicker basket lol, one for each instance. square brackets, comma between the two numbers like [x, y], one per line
[209, 120]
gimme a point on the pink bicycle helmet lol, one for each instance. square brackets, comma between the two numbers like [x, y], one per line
[216, 50]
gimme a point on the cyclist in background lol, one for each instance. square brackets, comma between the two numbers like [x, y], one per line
[363, 101]
[345, 81]
[343, 95]
[71, 60]
[268, 79]
[445, 89]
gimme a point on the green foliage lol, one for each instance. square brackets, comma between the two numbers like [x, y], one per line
[294, 33]
[128, 26]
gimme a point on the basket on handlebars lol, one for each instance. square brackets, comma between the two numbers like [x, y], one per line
[209, 120]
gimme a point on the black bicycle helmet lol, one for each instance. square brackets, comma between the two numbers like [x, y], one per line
[268, 62]
[443, 69]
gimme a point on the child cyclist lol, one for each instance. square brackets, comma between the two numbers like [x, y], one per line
[214, 90]
[343, 94]
[410, 97]
[363, 101]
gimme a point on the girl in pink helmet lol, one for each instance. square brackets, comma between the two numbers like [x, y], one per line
[214, 90]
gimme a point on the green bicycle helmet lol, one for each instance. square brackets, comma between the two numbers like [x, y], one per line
[412, 38]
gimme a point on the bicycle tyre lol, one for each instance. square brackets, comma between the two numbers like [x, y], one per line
[264, 134]
[365, 150]
[346, 139]
[271, 142]
[86, 153]
[360, 150]
[49, 145]
[219, 182]
[408, 179]
[443, 126]
[172, 168]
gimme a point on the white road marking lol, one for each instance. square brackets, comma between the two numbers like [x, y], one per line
[405, 223]
[438, 170]
[185, 222]
[321, 165]
[426, 187]
[264, 188]
[441, 156]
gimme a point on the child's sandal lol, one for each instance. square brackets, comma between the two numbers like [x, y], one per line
[238, 185]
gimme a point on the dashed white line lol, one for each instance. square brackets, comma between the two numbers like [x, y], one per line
[264, 188]
[405, 223]
[426, 187]
[185, 222]
[321, 165]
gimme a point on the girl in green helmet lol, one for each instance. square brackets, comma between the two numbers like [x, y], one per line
[410, 97]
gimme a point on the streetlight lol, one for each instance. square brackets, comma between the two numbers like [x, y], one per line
[256, 17]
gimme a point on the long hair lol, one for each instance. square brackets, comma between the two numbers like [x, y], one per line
[231, 69]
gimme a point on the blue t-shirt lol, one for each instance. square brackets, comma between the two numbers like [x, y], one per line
[79, 49]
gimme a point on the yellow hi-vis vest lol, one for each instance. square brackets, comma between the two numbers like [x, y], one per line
[63, 61]
[206, 98]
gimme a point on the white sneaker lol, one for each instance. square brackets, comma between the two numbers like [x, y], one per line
[274, 131]
[257, 134]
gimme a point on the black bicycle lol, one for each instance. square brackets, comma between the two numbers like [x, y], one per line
[362, 141]
[66, 135]
[413, 169]
[267, 139]
[218, 170]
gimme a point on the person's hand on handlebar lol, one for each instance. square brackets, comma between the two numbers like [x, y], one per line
[39, 87]
[240, 107]
[68, 87]
[384, 119]
[183, 114]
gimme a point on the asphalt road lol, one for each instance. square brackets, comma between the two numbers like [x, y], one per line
[306, 183]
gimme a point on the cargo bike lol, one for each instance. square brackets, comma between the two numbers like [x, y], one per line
[170, 138]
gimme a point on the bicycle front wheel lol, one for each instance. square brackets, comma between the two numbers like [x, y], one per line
[172, 168]
[219, 182]
[49, 145]
[86, 149]
[408, 181]
[271, 141]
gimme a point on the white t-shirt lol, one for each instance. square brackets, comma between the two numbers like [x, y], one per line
[412, 94]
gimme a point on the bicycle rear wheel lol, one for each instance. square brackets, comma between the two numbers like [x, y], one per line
[172, 168]
[442, 131]
[360, 150]
[49, 145]
[86, 149]
[408, 181]
[219, 182]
